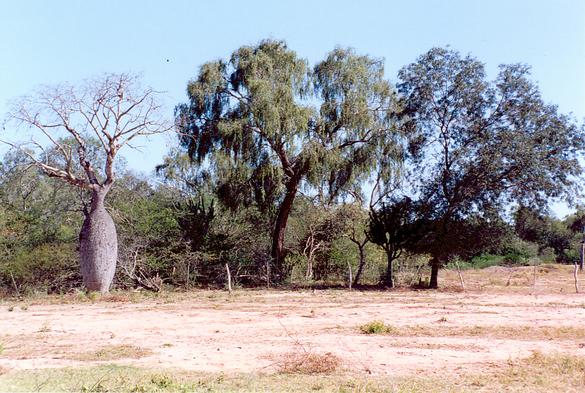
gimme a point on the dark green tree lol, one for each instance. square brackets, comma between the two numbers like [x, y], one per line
[394, 227]
[270, 124]
[549, 232]
[480, 145]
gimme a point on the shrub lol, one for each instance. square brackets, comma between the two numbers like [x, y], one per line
[376, 327]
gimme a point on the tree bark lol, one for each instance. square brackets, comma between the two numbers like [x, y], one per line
[279, 231]
[389, 281]
[229, 278]
[460, 275]
[98, 244]
[362, 252]
[434, 283]
[576, 277]
[582, 255]
[349, 279]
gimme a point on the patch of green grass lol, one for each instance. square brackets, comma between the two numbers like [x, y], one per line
[377, 327]
[478, 262]
[114, 378]
[537, 373]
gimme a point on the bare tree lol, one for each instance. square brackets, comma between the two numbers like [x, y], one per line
[113, 110]
[313, 244]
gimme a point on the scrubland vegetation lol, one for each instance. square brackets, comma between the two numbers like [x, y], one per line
[294, 237]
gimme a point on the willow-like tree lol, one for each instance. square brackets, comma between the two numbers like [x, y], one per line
[271, 125]
[73, 129]
[478, 146]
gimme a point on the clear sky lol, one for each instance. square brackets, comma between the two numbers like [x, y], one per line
[43, 42]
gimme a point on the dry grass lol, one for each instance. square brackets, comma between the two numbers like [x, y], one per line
[309, 363]
[502, 332]
[537, 373]
[549, 279]
[112, 352]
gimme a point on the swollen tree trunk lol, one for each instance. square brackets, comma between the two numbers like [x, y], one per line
[434, 283]
[279, 231]
[98, 245]
[389, 281]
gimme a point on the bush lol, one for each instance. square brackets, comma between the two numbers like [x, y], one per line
[376, 327]
[49, 267]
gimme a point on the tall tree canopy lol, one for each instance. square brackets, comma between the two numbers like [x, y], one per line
[480, 145]
[271, 124]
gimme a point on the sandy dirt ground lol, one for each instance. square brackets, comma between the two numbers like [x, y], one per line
[248, 331]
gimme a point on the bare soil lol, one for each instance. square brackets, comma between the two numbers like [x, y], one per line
[494, 321]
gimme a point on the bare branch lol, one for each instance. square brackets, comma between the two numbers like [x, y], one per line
[114, 109]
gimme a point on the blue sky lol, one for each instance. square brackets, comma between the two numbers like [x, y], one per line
[45, 42]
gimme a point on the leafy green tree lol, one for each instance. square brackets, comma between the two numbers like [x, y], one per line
[269, 124]
[549, 232]
[479, 145]
[576, 224]
[394, 227]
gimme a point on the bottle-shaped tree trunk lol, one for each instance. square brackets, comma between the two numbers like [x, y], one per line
[98, 244]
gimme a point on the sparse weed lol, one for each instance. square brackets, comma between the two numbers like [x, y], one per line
[93, 296]
[95, 388]
[113, 352]
[161, 381]
[305, 362]
[45, 328]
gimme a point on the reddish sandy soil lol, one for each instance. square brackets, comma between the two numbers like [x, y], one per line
[248, 331]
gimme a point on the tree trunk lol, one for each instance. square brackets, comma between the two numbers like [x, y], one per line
[576, 277]
[358, 274]
[98, 245]
[349, 279]
[309, 272]
[279, 231]
[582, 254]
[434, 283]
[389, 281]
